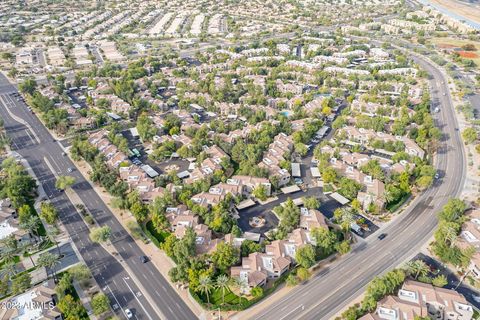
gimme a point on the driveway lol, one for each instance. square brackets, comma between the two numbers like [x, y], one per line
[453, 279]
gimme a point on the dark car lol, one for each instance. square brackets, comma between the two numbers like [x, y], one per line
[382, 236]
[144, 259]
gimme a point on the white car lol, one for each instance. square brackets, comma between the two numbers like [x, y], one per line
[128, 313]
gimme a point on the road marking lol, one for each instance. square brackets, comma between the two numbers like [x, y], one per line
[28, 134]
[138, 300]
[116, 300]
[302, 307]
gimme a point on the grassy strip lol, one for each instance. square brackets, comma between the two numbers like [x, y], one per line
[156, 237]
[393, 206]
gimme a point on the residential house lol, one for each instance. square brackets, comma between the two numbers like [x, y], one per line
[417, 299]
[37, 303]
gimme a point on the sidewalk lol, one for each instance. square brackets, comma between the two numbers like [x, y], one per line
[85, 300]
[161, 261]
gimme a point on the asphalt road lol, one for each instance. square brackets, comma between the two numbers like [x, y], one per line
[110, 273]
[331, 290]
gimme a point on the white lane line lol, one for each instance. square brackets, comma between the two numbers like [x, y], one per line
[116, 300]
[138, 300]
[302, 307]
[29, 135]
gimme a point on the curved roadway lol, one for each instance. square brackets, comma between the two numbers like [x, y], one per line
[345, 279]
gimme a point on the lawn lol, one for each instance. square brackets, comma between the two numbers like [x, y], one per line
[216, 297]
[153, 233]
[458, 43]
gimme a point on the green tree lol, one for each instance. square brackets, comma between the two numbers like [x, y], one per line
[49, 260]
[343, 247]
[48, 212]
[222, 283]
[440, 281]
[71, 308]
[64, 285]
[453, 210]
[292, 280]
[324, 239]
[349, 188]
[4, 281]
[80, 272]
[100, 303]
[100, 234]
[249, 246]
[260, 192]
[145, 127]
[64, 182]
[225, 256]
[311, 202]
[256, 292]
[21, 283]
[289, 215]
[469, 135]
[329, 175]
[417, 268]
[28, 86]
[303, 274]
[31, 226]
[305, 256]
[205, 286]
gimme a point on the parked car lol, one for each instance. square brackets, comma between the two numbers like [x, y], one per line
[298, 181]
[70, 169]
[144, 259]
[128, 313]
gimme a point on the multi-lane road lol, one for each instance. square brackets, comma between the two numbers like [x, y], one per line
[146, 292]
[344, 280]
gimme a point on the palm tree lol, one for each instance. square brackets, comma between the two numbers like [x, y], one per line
[347, 219]
[239, 284]
[9, 269]
[23, 248]
[205, 286]
[10, 248]
[49, 260]
[31, 226]
[388, 196]
[417, 268]
[450, 235]
[222, 283]
[52, 232]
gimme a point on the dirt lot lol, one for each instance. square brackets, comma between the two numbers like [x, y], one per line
[452, 43]
[471, 12]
